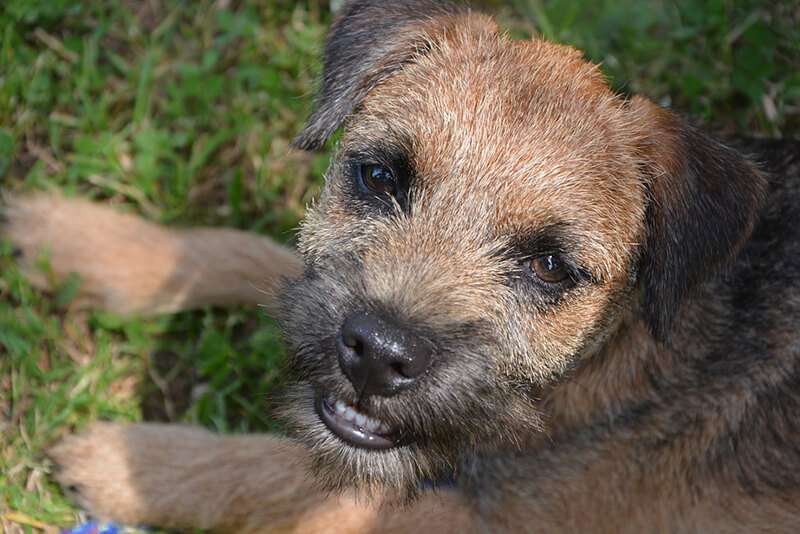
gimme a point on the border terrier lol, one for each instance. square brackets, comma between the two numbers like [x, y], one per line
[524, 303]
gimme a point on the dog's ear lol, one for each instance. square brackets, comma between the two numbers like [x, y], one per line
[703, 202]
[370, 40]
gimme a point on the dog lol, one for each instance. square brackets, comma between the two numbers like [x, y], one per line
[524, 303]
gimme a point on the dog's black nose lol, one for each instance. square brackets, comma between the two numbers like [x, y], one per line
[379, 357]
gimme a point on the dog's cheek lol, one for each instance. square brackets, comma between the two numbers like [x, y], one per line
[542, 343]
[310, 314]
[325, 233]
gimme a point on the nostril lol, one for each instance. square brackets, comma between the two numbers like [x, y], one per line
[399, 368]
[415, 362]
[352, 340]
[348, 340]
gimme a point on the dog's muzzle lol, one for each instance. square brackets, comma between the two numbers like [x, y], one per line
[381, 359]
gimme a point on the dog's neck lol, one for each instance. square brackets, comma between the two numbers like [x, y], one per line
[599, 388]
[628, 372]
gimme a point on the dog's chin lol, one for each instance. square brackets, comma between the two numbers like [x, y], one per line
[353, 450]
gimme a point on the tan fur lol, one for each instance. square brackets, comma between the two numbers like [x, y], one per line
[241, 484]
[555, 410]
[137, 266]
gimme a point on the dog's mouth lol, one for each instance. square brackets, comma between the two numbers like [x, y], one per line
[354, 426]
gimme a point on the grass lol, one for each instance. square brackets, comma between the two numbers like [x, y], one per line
[183, 112]
[732, 65]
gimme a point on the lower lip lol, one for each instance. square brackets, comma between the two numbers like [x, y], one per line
[349, 432]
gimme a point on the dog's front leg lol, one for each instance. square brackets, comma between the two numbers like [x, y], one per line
[128, 265]
[178, 477]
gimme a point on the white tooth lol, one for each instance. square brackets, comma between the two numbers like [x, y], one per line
[372, 425]
[350, 414]
[361, 420]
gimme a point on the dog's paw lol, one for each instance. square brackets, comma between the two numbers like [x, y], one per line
[169, 476]
[96, 470]
[53, 239]
[21, 221]
[120, 260]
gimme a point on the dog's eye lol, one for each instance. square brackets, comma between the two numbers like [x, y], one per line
[548, 268]
[378, 179]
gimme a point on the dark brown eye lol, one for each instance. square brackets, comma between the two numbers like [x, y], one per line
[378, 179]
[549, 269]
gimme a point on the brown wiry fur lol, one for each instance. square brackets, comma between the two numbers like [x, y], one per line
[656, 391]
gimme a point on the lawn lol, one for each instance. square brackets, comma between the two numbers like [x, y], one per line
[183, 112]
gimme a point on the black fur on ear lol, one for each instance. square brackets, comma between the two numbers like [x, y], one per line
[704, 199]
[368, 42]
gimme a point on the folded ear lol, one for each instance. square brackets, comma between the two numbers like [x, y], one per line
[704, 199]
[368, 42]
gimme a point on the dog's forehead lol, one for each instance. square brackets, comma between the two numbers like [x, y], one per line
[528, 126]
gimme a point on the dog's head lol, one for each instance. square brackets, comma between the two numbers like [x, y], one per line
[493, 213]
